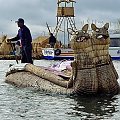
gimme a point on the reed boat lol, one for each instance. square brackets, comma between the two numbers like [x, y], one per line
[90, 73]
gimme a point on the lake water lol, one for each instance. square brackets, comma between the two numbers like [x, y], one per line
[27, 104]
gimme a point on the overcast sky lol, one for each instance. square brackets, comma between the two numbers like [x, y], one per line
[37, 12]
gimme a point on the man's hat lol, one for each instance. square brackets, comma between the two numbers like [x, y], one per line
[20, 20]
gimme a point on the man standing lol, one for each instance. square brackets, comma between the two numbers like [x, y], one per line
[24, 36]
[52, 40]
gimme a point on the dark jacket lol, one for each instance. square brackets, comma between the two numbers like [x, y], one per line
[52, 39]
[24, 35]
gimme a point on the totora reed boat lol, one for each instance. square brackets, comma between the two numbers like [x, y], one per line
[91, 73]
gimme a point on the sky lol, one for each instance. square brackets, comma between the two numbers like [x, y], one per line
[37, 12]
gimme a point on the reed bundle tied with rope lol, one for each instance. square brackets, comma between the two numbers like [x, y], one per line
[107, 79]
[86, 81]
[106, 73]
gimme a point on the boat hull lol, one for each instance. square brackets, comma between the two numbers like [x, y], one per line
[26, 79]
[68, 54]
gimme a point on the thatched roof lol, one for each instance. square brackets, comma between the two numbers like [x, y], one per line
[41, 39]
[2, 38]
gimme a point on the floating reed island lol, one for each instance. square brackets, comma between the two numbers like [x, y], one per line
[92, 71]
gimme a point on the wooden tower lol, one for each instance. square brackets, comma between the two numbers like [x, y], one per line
[65, 18]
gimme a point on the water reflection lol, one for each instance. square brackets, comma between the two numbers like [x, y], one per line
[94, 107]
